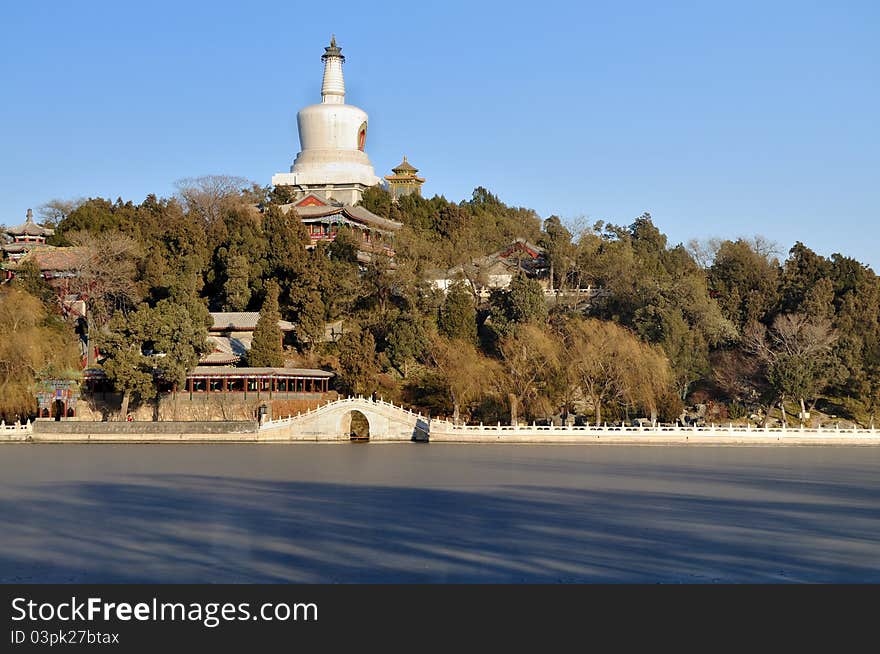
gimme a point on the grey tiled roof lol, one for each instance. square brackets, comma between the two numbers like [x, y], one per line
[256, 372]
[355, 213]
[225, 321]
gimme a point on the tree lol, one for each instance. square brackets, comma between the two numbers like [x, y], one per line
[34, 345]
[559, 250]
[56, 210]
[819, 300]
[612, 366]
[236, 288]
[287, 238]
[458, 318]
[266, 350]
[357, 362]
[122, 343]
[796, 352]
[179, 332]
[378, 281]
[800, 273]
[345, 246]
[523, 301]
[30, 279]
[744, 282]
[464, 373]
[407, 342]
[96, 215]
[310, 319]
[208, 196]
[150, 345]
[531, 359]
[173, 243]
[686, 347]
[105, 270]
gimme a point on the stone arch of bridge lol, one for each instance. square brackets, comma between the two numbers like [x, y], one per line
[356, 424]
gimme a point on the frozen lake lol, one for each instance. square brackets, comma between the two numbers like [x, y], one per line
[438, 513]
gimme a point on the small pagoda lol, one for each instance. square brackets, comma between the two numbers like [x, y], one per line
[404, 181]
[23, 238]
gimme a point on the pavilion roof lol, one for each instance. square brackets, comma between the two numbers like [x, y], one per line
[30, 228]
[405, 167]
[357, 214]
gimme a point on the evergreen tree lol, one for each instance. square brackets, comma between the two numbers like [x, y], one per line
[29, 278]
[310, 319]
[525, 301]
[122, 343]
[408, 341]
[286, 238]
[458, 318]
[179, 332]
[266, 350]
[357, 363]
[236, 289]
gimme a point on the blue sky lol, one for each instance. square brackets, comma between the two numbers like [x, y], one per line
[720, 119]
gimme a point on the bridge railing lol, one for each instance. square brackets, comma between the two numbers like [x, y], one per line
[380, 403]
[26, 426]
[445, 426]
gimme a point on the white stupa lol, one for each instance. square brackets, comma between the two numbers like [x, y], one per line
[332, 163]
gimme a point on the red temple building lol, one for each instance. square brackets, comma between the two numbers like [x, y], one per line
[324, 218]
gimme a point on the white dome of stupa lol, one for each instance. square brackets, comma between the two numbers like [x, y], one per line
[332, 137]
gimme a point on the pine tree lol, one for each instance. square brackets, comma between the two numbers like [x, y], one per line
[236, 289]
[266, 350]
[457, 315]
[357, 363]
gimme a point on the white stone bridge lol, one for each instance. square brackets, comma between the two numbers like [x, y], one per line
[333, 422]
[388, 422]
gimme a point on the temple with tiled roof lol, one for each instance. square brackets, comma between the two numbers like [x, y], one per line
[404, 181]
[324, 218]
[21, 239]
[54, 263]
[231, 334]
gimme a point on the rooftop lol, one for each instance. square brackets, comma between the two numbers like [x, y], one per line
[355, 213]
[48, 257]
[229, 371]
[405, 167]
[30, 228]
[242, 321]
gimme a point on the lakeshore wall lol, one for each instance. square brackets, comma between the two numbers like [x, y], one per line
[199, 407]
[216, 431]
[321, 426]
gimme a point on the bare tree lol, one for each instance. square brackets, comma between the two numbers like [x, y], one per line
[796, 354]
[208, 195]
[104, 269]
[54, 211]
[764, 247]
[703, 251]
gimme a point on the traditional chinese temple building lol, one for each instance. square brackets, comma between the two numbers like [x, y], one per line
[324, 218]
[496, 270]
[274, 383]
[243, 383]
[21, 239]
[231, 335]
[404, 181]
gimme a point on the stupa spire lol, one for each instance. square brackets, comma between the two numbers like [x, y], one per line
[333, 86]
